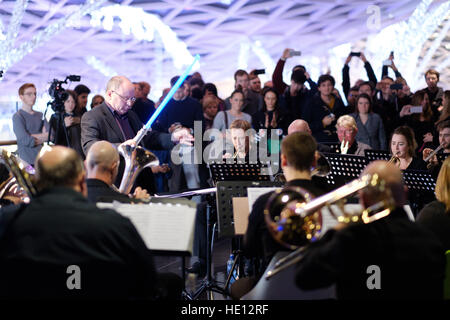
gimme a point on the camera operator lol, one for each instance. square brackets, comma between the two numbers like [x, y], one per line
[71, 126]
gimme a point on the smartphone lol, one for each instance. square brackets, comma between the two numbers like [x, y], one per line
[396, 86]
[259, 71]
[416, 109]
[295, 53]
[332, 116]
[392, 54]
[355, 54]
[387, 62]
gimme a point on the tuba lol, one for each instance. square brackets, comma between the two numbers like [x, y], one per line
[136, 159]
[294, 218]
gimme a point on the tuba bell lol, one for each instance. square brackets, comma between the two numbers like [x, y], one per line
[136, 159]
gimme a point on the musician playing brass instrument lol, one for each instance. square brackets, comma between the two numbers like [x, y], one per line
[297, 157]
[403, 146]
[346, 131]
[444, 146]
[390, 258]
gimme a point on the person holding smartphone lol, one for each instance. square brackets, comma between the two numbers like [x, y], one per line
[419, 116]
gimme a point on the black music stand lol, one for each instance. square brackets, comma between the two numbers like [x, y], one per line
[421, 186]
[239, 171]
[344, 168]
[335, 146]
[226, 191]
[372, 155]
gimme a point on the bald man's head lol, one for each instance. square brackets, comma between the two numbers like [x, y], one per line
[119, 94]
[60, 166]
[393, 180]
[299, 126]
[102, 155]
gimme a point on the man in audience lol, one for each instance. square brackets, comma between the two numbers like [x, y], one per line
[102, 164]
[389, 258]
[62, 247]
[252, 100]
[346, 131]
[435, 93]
[143, 107]
[296, 97]
[255, 82]
[28, 125]
[181, 111]
[277, 76]
[346, 74]
[82, 98]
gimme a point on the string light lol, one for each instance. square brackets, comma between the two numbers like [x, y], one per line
[100, 66]
[142, 25]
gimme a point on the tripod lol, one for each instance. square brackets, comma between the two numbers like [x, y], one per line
[60, 127]
[208, 284]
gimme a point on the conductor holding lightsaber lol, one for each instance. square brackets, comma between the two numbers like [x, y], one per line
[114, 121]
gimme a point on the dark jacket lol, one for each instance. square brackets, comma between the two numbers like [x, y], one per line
[258, 242]
[98, 191]
[100, 124]
[316, 111]
[410, 259]
[59, 229]
[435, 218]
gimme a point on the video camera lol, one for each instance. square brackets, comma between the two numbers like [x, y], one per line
[59, 94]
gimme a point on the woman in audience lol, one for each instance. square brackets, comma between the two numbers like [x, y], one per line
[271, 116]
[72, 125]
[97, 100]
[370, 126]
[445, 112]
[210, 105]
[223, 119]
[436, 215]
[421, 122]
[403, 146]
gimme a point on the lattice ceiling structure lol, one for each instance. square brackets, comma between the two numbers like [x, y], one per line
[228, 34]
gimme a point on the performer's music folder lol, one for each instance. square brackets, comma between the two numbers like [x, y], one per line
[162, 226]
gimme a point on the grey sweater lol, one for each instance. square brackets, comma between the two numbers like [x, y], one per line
[24, 125]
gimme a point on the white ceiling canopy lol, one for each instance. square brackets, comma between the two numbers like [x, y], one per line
[217, 30]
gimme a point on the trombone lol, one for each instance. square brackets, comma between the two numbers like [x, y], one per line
[433, 153]
[296, 220]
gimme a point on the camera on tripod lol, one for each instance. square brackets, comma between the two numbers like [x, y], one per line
[59, 94]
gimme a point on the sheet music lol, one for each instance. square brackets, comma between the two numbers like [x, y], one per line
[167, 226]
[255, 193]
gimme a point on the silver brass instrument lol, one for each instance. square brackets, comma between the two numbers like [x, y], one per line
[295, 220]
[323, 167]
[136, 159]
[432, 154]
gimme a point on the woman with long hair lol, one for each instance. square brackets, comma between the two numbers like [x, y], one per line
[445, 112]
[223, 119]
[370, 126]
[403, 145]
[422, 122]
[271, 116]
[436, 215]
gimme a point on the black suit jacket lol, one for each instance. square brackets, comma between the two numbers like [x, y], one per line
[98, 191]
[100, 124]
[58, 229]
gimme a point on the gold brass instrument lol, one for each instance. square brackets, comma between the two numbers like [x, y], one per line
[136, 159]
[394, 159]
[23, 176]
[432, 154]
[323, 167]
[295, 220]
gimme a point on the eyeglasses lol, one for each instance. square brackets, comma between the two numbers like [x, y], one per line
[128, 100]
[30, 94]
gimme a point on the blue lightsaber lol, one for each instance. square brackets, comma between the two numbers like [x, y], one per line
[163, 104]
